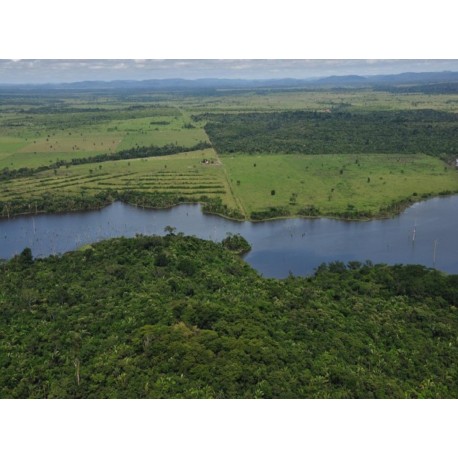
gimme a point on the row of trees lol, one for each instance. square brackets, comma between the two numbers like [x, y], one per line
[57, 115]
[132, 153]
[59, 203]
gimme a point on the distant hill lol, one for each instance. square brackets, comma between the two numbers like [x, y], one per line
[339, 80]
[389, 80]
[411, 78]
[167, 84]
[181, 84]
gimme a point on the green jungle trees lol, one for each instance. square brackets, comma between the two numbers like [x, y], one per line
[180, 317]
[333, 132]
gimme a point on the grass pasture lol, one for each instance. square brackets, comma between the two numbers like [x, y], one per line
[8, 147]
[10, 144]
[158, 131]
[38, 139]
[69, 142]
[58, 146]
[359, 100]
[335, 183]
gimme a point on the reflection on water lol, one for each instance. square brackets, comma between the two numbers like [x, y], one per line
[425, 233]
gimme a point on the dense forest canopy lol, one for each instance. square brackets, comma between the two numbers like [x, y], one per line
[176, 316]
[335, 131]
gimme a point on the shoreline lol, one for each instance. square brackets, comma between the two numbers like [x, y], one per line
[401, 205]
[273, 245]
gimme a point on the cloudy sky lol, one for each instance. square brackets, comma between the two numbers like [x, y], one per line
[53, 71]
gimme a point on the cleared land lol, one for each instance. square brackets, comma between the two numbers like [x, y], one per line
[358, 100]
[39, 139]
[184, 174]
[335, 184]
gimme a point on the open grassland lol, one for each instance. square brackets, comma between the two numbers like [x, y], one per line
[181, 174]
[9, 144]
[158, 131]
[359, 100]
[34, 138]
[69, 142]
[335, 184]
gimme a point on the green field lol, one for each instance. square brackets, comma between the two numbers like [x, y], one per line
[39, 139]
[360, 100]
[151, 131]
[335, 184]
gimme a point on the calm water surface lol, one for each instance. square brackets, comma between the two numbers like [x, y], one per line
[278, 247]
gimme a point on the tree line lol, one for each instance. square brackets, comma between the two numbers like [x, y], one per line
[55, 203]
[132, 153]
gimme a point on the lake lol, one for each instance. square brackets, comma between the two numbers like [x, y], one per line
[426, 233]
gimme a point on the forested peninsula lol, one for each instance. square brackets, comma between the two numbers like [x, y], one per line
[180, 317]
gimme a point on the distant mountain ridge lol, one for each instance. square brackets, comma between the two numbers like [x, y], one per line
[401, 78]
[410, 78]
[345, 79]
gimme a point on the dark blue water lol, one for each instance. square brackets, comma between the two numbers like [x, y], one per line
[278, 247]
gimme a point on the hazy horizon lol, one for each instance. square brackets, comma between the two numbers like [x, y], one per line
[42, 71]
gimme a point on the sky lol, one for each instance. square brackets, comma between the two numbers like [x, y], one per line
[111, 40]
[70, 70]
